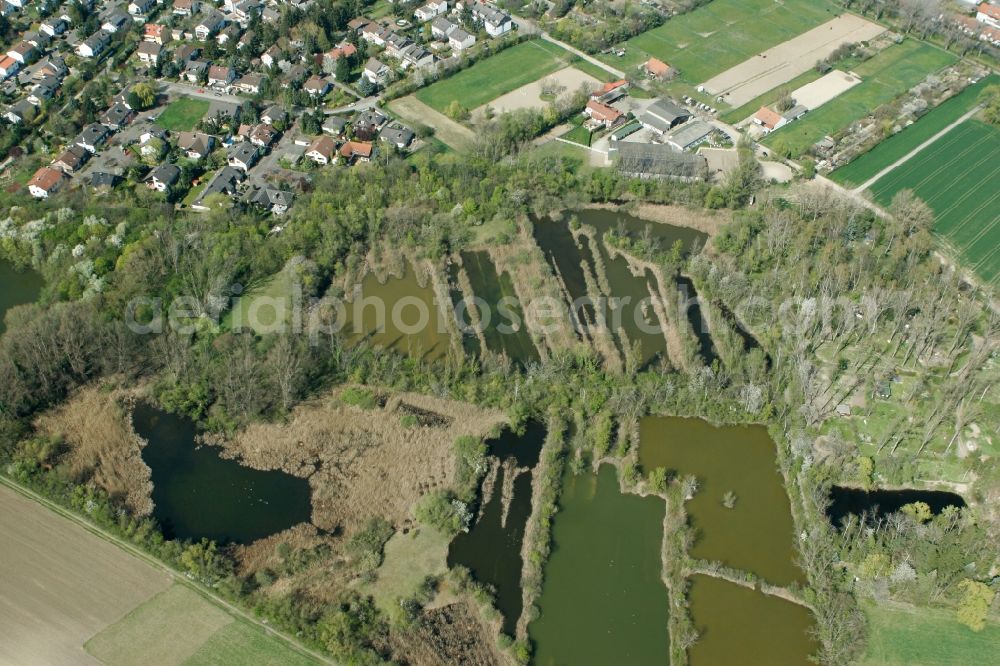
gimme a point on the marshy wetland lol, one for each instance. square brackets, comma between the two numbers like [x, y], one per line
[17, 287]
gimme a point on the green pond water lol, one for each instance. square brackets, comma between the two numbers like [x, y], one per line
[198, 494]
[491, 549]
[627, 312]
[737, 625]
[504, 327]
[470, 343]
[16, 288]
[603, 600]
[399, 315]
[757, 534]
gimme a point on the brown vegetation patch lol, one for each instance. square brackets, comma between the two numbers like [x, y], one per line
[363, 463]
[701, 219]
[102, 447]
[452, 634]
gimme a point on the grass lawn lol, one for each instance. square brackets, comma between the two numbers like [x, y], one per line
[884, 78]
[578, 134]
[179, 626]
[959, 177]
[898, 145]
[722, 34]
[196, 191]
[408, 559]
[926, 637]
[497, 75]
[260, 308]
[183, 114]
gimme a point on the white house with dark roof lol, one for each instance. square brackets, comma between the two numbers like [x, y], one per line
[431, 10]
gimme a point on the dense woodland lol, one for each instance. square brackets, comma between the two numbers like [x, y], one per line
[835, 294]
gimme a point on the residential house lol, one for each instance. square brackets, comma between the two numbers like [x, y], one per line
[375, 34]
[92, 137]
[494, 21]
[243, 156]
[104, 181]
[361, 151]
[54, 66]
[20, 112]
[149, 52]
[342, 50]
[989, 14]
[196, 145]
[663, 115]
[250, 84]
[602, 114]
[460, 40]
[316, 86]
[185, 53]
[769, 119]
[334, 125]
[657, 69]
[8, 67]
[246, 10]
[270, 15]
[431, 10]
[152, 141]
[186, 7]
[273, 115]
[44, 90]
[23, 53]
[397, 135]
[356, 24]
[71, 159]
[229, 33]
[115, 21]
[226, 181]
[376, 71]
[46, 181]
[196, 71]
[271, 199]
[221, 75]
[610, 92]
[441, 28]
[141, 7]
[322, 150]
[271, 56]
[368, 123]
[94, 45]
[163, 177]
[262, 135]
[209, 23]
[53, 27]
[40, 40]
[117, 116]
[156, 33]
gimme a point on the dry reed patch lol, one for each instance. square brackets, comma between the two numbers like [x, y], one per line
[452, 634]
[103, 448]
[363, 463]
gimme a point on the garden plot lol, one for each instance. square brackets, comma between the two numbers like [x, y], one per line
[529, 96]
[782, 63]
[819, 92]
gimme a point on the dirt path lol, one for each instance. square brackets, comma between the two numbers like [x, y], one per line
[412, 110]
[910, 155]
[16, 504]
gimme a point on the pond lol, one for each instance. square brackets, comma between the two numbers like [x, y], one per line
[603, 599]
[17, 288]
[505, 330]
[737, 625]
[756, 534]
[706, 347]
[491, 549]
[198, 494]
[847, 501]
[399, 315]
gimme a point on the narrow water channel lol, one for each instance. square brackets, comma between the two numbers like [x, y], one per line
[16, 288]
[878, 503]
[198, 494]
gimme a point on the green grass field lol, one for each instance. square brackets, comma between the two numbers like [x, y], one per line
[497, 75]
[180, 627]
[183, 114]
[722, 34]
[959, 177]
[409, 558]
[897, 146]
[266, 307]
[884, 78]
[927, 637]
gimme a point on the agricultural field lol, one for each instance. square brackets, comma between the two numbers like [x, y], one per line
[884, 78]
[183, 114]
[497, 75]
[899, 145]
[178, 626]
[959, 177]
[722, 34]
[926, 637]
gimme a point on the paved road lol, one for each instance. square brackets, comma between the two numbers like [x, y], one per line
[907, 157]
[528, 26]
[176, 575]
[188, 90]
[360, 105]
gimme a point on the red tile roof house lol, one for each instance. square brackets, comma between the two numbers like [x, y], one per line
[156, 32]
[45, 181]
[989, 14]
[356, 150]
[322, 150]
[317, 86]
[768, 119]
[602, 113]
[658, 69]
